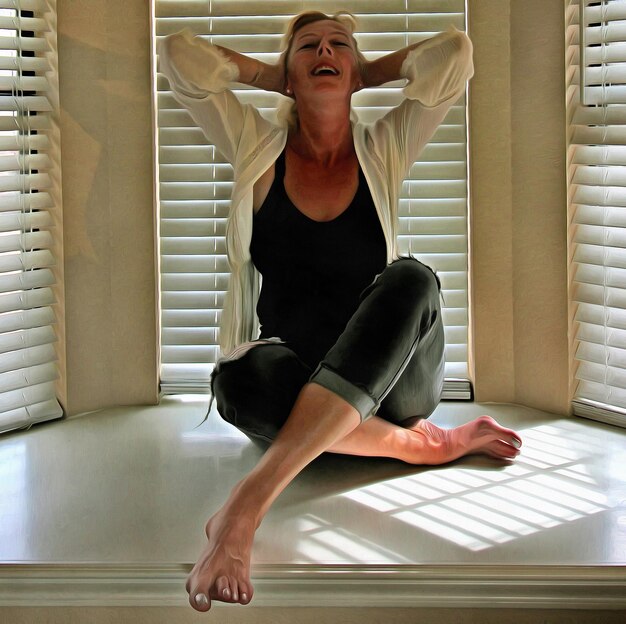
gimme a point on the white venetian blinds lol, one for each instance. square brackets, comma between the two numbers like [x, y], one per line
[195, 184]
[28, 205]
[596, 107]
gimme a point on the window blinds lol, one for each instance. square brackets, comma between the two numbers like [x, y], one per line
[28, 201]
[596, 111]
[195, 183]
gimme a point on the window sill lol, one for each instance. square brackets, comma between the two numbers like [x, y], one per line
[544, 532]
[449, 586]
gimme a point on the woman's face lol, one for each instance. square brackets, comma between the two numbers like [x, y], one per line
[322, 59]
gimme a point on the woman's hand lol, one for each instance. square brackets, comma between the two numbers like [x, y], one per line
[275, 76]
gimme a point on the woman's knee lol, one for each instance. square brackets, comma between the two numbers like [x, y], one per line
[256, 392]
[410, 277]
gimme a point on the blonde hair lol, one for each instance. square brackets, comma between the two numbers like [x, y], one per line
[345, 18]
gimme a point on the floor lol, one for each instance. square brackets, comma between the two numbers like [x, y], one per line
[135, 485]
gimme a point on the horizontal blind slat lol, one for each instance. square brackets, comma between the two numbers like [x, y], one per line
[39, 6]
[35, 412]
[24, 300]
[27, 338]
[15, 365]
[26, 319]
[26, 397]
[27, 279]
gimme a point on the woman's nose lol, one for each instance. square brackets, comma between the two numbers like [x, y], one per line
[324, 47]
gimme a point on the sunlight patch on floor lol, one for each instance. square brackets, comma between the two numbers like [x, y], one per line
[549, 484]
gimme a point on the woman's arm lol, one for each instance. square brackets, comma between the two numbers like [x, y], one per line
[256, 73]
[200, 76]
[436, 68]
[387, 68]
[200, 67]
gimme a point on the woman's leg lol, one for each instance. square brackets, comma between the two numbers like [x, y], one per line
[256, 392]
[399, 430]
[396, 313]
[318, 419]
[425, 443]
[392, 350]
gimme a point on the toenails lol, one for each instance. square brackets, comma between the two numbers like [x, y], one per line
[202, 602]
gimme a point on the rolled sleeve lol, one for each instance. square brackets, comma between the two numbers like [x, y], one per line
[194, 67]
[439, 68]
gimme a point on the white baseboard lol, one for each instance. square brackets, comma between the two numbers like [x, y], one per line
[110, 585]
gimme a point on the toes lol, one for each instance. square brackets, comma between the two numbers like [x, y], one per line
[245, 593]
[199, 600]
[228, 589]
[223, 589]
[234, 589]
[501, 450]
[508, 435]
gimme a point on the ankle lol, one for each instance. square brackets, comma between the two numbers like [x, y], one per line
[408, 445]
[426, 447]
[246, 503]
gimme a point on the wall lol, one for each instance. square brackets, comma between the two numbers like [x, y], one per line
[108, 211]
[518, 195]
[518, 204]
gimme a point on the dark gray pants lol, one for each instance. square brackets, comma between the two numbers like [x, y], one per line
[389, 361]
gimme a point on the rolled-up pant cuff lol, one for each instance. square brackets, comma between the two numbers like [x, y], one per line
[357, 397]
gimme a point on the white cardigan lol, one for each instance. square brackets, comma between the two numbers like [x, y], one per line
[199, 75]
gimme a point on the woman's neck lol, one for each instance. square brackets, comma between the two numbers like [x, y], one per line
[323, 135]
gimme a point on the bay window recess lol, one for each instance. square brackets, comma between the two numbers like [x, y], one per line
[596, 113]
[195, 182]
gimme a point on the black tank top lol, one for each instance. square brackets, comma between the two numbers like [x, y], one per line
[313, 272]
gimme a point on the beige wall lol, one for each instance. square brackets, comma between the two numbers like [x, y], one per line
[108, 203]
[518, 197]
[518, 203]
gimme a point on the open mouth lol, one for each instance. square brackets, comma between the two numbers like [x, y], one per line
[325, 70]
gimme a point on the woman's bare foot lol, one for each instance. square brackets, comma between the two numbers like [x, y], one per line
[223, 570]
[480, 436]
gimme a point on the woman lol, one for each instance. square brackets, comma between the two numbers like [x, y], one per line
[350, 355]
